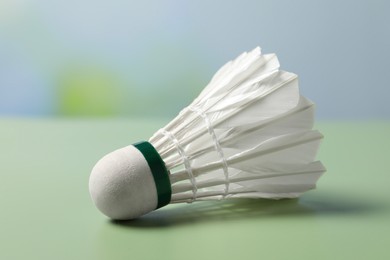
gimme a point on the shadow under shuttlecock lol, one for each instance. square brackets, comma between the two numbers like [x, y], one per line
[235, 209]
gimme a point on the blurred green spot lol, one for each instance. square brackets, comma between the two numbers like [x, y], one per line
[88, 91]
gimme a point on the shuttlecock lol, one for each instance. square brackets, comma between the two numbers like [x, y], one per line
[247, 135]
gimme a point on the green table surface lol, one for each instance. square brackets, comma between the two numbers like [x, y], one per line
[46, 211]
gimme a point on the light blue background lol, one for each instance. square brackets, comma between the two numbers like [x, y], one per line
[159, 54]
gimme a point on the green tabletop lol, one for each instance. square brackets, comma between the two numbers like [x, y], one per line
[46, 212]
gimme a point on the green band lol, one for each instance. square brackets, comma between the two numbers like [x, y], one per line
[159, 171]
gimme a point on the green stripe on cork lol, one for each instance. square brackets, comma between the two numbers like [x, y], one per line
[159, 171]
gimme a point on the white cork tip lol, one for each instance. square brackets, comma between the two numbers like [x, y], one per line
[122, 185]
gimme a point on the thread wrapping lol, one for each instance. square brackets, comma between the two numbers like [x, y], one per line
[217, 146]
[186, 161]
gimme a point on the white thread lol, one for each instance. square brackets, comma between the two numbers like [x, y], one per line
[185, 161]
[217, 146]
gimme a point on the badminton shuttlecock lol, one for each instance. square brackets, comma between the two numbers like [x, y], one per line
[247, 135]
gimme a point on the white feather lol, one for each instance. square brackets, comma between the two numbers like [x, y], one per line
[248, 134]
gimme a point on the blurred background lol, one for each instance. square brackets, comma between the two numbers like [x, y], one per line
[151, 58]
